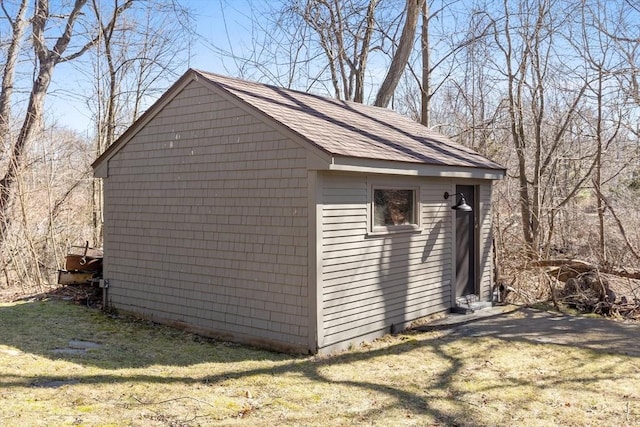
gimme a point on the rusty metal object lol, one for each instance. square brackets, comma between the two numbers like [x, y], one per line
[84, 259]
[82, 265]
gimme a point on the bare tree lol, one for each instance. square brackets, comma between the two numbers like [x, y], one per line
[343, 33]
[47, 58]
[330, 44]
[45, 184]
[401, 55]
[442, 54]
[614, 91]
[132, 63]
[18, 25]
[50, 208]
[425, 87]
[540, 110]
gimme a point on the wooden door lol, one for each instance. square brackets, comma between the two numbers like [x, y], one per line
[466, 244]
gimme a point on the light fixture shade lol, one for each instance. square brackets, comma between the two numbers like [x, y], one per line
[462, 205]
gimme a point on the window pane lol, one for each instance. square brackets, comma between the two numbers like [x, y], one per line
[393, 207]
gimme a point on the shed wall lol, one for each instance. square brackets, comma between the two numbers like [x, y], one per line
[372, 284]
[206, 223]
[485, 217]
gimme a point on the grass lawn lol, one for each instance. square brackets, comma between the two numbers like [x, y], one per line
[139, 374]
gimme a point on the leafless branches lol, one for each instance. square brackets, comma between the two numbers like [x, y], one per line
[45, 198]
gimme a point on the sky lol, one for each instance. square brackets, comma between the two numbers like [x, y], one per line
[225, 24]
[217, 21]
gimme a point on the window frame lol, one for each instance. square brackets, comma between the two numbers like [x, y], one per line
[390, 228]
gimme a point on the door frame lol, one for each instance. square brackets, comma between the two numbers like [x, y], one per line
[475, 255]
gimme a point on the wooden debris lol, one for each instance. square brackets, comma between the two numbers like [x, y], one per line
[570, 267]
[587, 288]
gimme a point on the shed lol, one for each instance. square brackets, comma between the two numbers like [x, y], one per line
[288, 220]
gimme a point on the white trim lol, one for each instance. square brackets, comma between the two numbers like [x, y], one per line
[454, 259]
[352, 164]
[383, 230]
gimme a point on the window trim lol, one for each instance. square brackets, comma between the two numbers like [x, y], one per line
[416, 226]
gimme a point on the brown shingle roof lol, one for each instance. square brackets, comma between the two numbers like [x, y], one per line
[350, 129]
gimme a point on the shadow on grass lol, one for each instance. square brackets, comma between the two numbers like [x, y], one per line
[41, 327]
[543, 327]
[49, 328]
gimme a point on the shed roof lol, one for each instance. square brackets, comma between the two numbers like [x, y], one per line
[341, 129]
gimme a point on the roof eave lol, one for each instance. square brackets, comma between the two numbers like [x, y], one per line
[350, 164]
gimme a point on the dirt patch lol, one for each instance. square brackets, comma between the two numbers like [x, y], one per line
[83, 294]
[54, 383]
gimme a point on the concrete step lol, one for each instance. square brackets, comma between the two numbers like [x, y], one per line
[471, 307]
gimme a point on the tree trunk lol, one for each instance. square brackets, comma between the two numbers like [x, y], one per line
[516, 121]
[598, 175]
[18, 27]
[426, 64]
[401, 56]
[361, 58]
[46, 62]
[34, 114]
[565, 268]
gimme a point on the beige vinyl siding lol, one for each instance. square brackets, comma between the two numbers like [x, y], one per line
[485, 241]
[371, 282]
[206, 222]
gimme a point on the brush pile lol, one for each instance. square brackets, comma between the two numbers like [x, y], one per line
[593, 289]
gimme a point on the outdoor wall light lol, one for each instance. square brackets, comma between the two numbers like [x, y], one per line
[461, 205]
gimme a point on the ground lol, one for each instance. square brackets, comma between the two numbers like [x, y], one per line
[596, 333]
[65, 364]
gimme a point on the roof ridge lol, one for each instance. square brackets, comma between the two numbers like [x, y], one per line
[351, 129]
[325, 97]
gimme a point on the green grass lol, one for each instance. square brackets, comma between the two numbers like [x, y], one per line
[148, 375]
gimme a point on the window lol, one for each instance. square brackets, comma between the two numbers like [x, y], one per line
[393, 208]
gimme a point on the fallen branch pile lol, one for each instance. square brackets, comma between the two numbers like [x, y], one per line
[593, 289]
